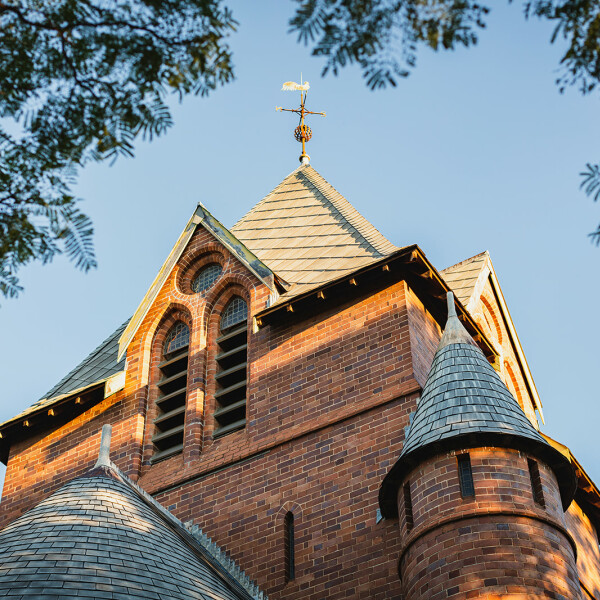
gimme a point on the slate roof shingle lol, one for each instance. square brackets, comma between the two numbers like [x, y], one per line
[464, 393]
[97, 367]
[462, 277]
[308, 233]
[100, 536]
[465, 404]
[100, 364]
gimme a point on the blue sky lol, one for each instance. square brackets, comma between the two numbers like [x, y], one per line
[476, 150]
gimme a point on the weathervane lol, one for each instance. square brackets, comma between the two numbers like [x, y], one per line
[303, 132]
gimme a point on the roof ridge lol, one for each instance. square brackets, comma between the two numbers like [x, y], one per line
[376, 239]
[264, 198]
[93, 353]
[466, 260]
[209, 549]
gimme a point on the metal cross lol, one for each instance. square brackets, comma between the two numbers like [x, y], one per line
[303, 132]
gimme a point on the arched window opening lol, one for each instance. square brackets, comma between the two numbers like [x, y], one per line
[172, 385]
[206, 278]
[513, 384]
[289, 547]
[232, 360]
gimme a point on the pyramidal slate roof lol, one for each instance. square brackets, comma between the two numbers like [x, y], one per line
[465, 404]
[308, 233]
[101, 536]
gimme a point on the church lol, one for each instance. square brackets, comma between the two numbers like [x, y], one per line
[299, 408]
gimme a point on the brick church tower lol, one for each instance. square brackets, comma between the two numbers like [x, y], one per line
[275, 416]
[479, 493]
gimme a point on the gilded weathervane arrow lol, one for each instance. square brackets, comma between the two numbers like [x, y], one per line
[303, 132]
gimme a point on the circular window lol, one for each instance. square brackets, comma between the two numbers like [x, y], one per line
[206, 278]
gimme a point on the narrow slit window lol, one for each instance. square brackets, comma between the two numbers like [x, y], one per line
[172, 385]
[290, 551]
[232, 362]
[536, 482]
[465, 476]
[408, 508]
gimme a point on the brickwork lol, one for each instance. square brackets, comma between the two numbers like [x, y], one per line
[328, 399]
[304, 376]
[425, 336]
[41, 464]
[330, 480]
[497, 544]
[588, 552]
[488, 316]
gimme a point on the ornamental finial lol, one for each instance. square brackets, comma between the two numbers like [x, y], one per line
[303, 132]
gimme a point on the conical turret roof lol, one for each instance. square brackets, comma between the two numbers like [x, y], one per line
[465, 404]
[101, 536]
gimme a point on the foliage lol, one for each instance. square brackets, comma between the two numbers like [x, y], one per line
[382, 37]
[590, 183]
[83, 79]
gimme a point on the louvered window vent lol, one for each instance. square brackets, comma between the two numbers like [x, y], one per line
[232, 359]
[170, 422]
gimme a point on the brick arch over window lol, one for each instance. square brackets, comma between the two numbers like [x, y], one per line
[227, 365]
[493, 319]
[193, 264]
[288, 522]
[168, 387]
[484, 323]
[513, 384]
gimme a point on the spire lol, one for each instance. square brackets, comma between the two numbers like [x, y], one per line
[303, 132]
[454, 332]
[104, 454]
[465, 404]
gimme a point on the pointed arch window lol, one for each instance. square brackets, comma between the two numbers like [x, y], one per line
[172, 385]
[232, 362]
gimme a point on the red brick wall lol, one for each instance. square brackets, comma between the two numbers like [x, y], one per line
[330, 480]
[498, 544]
[41, 464]
[328, 400]
[301, 377]
[588, 553]
[488, 316]
[425, 336]
[325, 423]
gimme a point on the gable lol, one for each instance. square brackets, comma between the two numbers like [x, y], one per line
[476, 284]
[201, 217]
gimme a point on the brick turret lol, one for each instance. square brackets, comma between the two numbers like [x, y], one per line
[480, 495]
